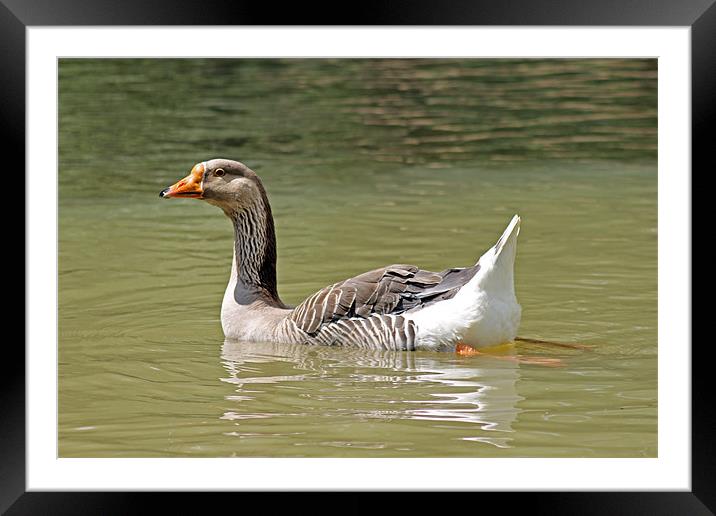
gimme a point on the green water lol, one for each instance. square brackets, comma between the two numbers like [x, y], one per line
[366, 163]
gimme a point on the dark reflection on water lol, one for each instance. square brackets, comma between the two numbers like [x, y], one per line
[417, 386]
[137, 114]
[366, 163]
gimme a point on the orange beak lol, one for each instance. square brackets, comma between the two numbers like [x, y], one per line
[190, 186]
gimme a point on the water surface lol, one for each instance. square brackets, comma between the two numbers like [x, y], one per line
[366, 163]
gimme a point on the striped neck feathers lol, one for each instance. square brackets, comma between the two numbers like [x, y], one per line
[255, 252]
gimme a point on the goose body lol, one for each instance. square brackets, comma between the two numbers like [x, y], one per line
[398, 307]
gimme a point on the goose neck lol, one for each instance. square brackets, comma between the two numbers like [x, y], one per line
[255, 255]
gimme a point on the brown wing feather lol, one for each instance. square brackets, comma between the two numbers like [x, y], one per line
[388, 290]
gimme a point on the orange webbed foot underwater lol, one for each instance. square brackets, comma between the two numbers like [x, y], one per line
[465, 350]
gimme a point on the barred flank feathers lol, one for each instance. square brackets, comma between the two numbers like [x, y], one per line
[364, 311]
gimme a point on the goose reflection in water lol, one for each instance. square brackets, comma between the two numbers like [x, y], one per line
[479, 391]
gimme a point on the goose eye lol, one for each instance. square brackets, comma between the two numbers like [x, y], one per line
[219, 172]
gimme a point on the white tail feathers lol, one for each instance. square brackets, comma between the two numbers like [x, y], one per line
[485, 311]
[509, 236]
[497, 265]
[506, 244]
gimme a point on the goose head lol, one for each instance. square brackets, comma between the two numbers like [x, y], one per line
[228, 184]
[237, 190]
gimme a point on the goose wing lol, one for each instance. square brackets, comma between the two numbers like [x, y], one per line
[390, 290]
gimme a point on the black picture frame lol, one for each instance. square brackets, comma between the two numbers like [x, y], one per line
[17, 15]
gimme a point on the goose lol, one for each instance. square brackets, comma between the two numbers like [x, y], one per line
[397, 307]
